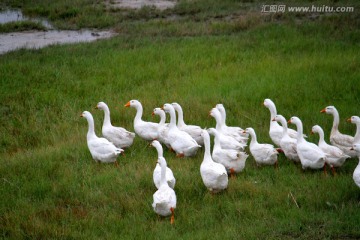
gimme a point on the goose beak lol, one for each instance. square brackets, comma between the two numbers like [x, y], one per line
[152, 114]
[81, 115]
[311, 132]
[162, 108]
[274, 119]
[96, 107]
[348, 120]
[244, 131]
[289, 121]
[323, 110]
[352, 148]
[127, 105]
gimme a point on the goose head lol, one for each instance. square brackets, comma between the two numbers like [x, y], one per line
[155, 144]
[316, 129]
[269, 103]
[101, 106]
[157, 111]
[215, 113]
[212, 131]
[294, 120]
[279, 118]
[176, 106]
[250, 131]
[354, 119]
[329, 110]
[168, 108]
[86, 115]
[356, 147]
[132, 103]
[220, 107]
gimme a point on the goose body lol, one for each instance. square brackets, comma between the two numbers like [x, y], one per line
[356, 174]
[263, 153]
[334, 156]
[146, 130]
[233, 160]
[192, 130]
[342, 141]
[287, 143]
[276, 130]
[226, 141]
[235, 132]
[181, 142]
[311, 156]
[164, 199]
[163, 128]
[119, 136]
[170, 179]
[100, 148]
[213, 174]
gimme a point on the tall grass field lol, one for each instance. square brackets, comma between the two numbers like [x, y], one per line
[51, 188]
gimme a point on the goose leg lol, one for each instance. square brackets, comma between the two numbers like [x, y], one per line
[232, 173]
[172, 219]
[325, 169]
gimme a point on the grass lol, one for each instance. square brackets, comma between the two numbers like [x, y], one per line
[51, 188]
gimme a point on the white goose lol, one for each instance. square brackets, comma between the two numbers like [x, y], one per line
[164, 198]
[235, 132]
[263, 153]
[170, 179]
[119, 136]
[100, 148]
[311, 156]
[356, 174]
[233, 160]
[192, 130]
[213, 174]
[342, 141]
[226, 141]
[181, 142]
[163, 129]
[334, 156]
[356, 120]
[287, 143]
[276, 130]
[146, 130]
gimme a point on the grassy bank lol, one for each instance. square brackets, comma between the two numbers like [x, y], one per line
[51, 188]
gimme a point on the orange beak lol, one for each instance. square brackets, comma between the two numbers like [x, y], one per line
[311, 132]
[152, 114]
[273, 119]
[289, 121]
[127, 105]
[324, 110]
[81, 115]
[96, 107]
[348, 120]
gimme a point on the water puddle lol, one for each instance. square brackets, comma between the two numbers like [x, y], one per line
[39, 39]
[14, 15]
[136, 4]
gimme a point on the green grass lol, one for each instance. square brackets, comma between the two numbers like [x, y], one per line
[51, 188]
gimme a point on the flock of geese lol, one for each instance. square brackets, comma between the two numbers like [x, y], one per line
[228, 155]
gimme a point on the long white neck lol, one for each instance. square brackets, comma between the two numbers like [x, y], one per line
[107, 121]
[321, 136]
[217, 140]
[163, 174]
[162, 117]
[219, 122]
[253, 137]
[299, 128]
[207, 153]
[172, 118]
[357, 134]
[273, 113]
[180, 120]
[91, 129]
[284, 125]
[335, 126]
[139, 112]
[159, 150]
[223, 116]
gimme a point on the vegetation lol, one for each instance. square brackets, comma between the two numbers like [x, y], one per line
[51, 188]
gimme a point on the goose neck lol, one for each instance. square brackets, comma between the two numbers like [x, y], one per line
[299, 128]
[107, 121]
[163, 174]
[336, 121]
[139, 112]
[357, 134]
[91, 128]
[172, 118]
[180, 120]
